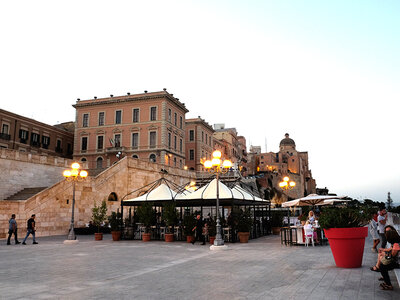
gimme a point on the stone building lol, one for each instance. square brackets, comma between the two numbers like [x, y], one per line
[242, 155]
[287, 162]
[28, 135]
[228, 138]
[148, 126]
[199, 143]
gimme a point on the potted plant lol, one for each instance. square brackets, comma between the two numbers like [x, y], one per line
[189, 223]
[171, 217]
[114, 220]
[147, 216]
[99, 214]
[345, 229]
[212, 230]
[276, 221]
[244, 225]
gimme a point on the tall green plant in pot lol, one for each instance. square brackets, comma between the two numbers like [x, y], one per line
[99, 215]
[189, 223]
[245, 223]
[171, 218]
[114, 220]
[345, 229]
[147, 216]
[212, 230]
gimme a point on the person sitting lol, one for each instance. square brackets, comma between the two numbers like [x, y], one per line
[311, 217]
[390, 261]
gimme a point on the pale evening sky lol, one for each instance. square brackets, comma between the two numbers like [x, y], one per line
[326, 72]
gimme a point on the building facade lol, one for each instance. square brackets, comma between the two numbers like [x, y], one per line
[287, 162]
[199, 143]
[148, 126]
[28, 135]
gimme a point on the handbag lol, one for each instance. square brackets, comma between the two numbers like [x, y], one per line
[387, 259]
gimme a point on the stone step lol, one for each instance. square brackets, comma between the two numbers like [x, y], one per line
[26, 193]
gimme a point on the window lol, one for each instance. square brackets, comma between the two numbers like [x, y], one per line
[175, 142]
[174, 161]
[45, 141]
[35, 139]
[85, 120]
[191, 154]
[202, 136]
[153, 139]
[135, 140]
[180, 145]
[4, 129]
[169, 140]
[101, 118]
[117, 139]
[83, 144]
[135, 156]
[153, 113]
[152, 158]
[23, 135]
[100, 142]
[191, 135]
[83, 159]
[118, 116]
[209, 140]
[180, 163]
[99, 163]
[175, 119]
[206, 138]
[135, 118]
[69, 149]
[169, 115]
[180, 122]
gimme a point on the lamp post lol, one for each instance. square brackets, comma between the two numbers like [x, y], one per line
[217, 167]
[287, 184]
[74, 175]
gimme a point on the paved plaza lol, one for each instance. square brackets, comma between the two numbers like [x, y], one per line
[261, 269]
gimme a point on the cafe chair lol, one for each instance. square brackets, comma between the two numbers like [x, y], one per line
[309, 236]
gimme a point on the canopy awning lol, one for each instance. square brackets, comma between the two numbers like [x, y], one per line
[312, 199]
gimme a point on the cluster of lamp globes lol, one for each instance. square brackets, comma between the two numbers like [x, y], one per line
[286, 184]
[216, 162]
[74, 172]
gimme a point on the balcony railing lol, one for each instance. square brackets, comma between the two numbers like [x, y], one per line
[5, 136]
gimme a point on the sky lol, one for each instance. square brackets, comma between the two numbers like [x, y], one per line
[326, 72]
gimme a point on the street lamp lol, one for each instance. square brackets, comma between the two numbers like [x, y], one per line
[287, 184]
[74, 175]
[217, 167]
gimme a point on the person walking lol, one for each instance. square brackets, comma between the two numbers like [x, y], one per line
[31, 228]
[199, 230]
[12, 229]
[382, 218]
[373, 229]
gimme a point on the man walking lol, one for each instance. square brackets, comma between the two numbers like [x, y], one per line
[382, 218]
[30, 230]
[199, 230]
[12, 229]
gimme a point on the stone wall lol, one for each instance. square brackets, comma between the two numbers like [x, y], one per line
[21, 170]
[53, 206]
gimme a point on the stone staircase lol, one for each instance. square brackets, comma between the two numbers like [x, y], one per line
[26, 193]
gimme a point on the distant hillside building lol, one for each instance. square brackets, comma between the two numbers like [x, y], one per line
[287, 162]
[28, 135]
[148, 126]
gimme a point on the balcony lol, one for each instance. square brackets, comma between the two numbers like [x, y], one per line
[5, 136]
[35, 144]
[115, 149]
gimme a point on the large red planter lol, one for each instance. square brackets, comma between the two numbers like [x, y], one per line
[347, 245]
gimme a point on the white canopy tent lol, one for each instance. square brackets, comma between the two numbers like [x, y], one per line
[160, 193]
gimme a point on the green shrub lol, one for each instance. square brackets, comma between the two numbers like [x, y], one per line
[245, 221]
[147, 215]
[99, 214]
[344, 217]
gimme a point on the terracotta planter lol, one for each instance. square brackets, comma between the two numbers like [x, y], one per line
[276, 230]
[347, 245]
[146, 237]
[169, 237]
[212, 238]
[244, 237]
[98, 236]
[189, 238]
[116, 235]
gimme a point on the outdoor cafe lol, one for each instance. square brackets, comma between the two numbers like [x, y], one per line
[189, 200]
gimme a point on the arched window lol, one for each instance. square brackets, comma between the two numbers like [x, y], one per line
[112, 197]
[152, 158]
[99, 163]
[135, 156]
[83, 159]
